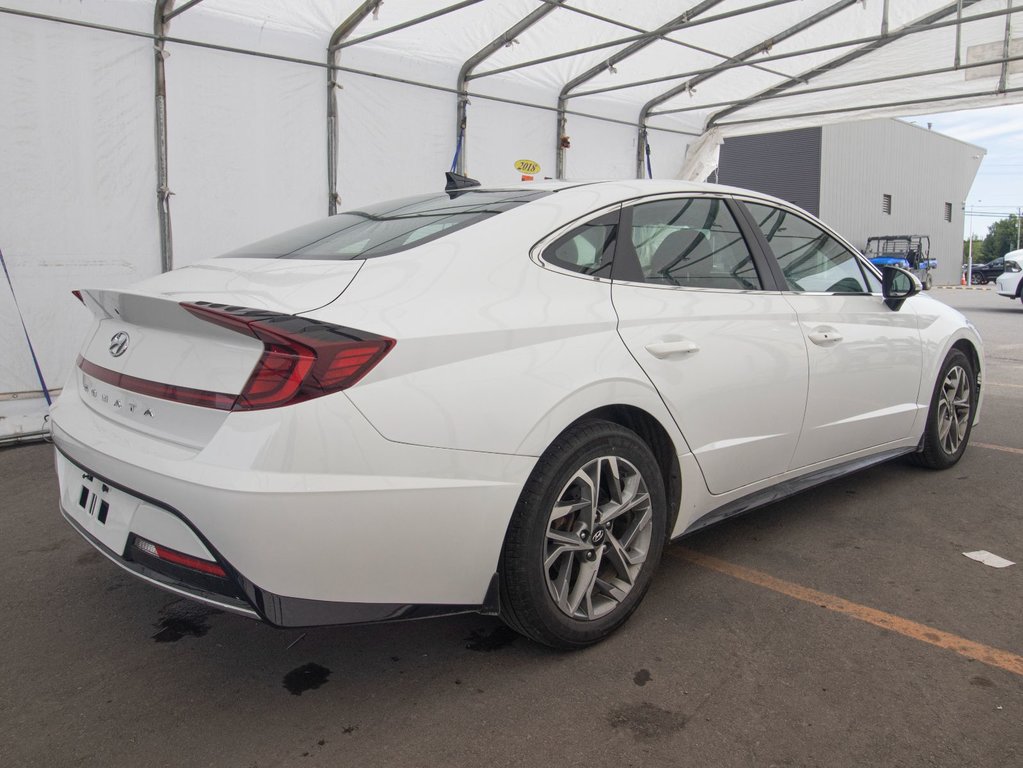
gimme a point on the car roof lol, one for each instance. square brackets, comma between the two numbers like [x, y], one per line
[629, 188]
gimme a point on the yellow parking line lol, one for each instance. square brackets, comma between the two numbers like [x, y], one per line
[992, 447]
[994, 657]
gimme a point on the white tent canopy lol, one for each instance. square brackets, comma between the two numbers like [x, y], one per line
[267, 114]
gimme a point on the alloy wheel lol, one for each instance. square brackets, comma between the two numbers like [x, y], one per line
[954, 408]
[598, 538]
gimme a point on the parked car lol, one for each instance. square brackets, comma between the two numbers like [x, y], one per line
[1009, 283]
[983, 274]
[504, 400]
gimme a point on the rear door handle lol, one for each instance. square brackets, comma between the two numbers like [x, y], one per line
[662, 349]
[824, 336]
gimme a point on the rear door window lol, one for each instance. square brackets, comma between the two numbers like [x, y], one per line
[692, 243]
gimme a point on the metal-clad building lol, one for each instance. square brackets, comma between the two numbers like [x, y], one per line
[876, 177]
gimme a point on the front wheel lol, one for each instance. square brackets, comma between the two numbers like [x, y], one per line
[585, 538]
[950, 418]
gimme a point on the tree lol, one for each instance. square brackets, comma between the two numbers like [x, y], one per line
[1001, 238]
[978, 251]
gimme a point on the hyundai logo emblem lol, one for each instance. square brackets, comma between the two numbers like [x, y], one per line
[119, 343]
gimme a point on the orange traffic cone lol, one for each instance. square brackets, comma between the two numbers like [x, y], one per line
[963, 280]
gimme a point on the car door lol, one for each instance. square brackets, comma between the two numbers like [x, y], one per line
[699, 312]
[865, 358]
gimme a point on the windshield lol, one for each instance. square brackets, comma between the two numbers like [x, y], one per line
[385, 228]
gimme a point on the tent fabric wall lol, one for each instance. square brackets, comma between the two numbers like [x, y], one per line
[247, 133]
[77, 202]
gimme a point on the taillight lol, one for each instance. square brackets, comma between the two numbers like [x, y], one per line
[302, 358]
[180, 558]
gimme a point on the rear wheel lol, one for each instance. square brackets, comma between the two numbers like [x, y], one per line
[950, 418]
[585, 538]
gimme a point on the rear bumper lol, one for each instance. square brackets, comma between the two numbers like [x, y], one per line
[278, 610]
[419, 536]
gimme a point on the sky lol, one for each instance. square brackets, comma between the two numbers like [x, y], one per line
[998, 188]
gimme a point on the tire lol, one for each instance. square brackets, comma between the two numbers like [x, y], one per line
[950, 417]
[977, 279]
[570, 580]
[928, 283]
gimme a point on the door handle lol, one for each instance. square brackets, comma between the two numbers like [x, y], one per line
[662, 349]
[824, 336]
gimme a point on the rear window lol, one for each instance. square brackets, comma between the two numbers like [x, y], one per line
[385, 228]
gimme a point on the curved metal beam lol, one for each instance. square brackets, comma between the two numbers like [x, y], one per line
[871, 47]
[410, 23]
[478, 58]
[676, 23]
[631, 38]
[333, 129]
[761, 47]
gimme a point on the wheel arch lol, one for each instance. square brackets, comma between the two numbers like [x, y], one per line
[968, 348]
[656, 437]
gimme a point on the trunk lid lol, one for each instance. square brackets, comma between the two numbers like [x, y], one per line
[143, 335]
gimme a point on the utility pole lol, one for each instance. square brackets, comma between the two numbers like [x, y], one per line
[969, 266]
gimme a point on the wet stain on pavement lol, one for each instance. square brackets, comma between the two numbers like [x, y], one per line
[183, 619]
[646, 721]
[981, 682]
[308, 677]
[642, 677]
[88, 558]
[496, 639]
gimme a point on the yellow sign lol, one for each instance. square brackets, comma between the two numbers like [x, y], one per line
[527, 166]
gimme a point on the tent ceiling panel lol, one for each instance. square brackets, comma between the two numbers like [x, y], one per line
[388, 43]
[888, 72]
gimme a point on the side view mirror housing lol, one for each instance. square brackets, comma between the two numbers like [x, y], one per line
[897, 285]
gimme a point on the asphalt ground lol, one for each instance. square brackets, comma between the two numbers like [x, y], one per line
[839, 627]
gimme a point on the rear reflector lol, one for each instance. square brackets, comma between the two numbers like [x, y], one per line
[301, 359]
[180, 558]
[186, 395]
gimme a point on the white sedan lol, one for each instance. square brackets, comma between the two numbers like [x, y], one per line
[1010, 283]
[504, 400]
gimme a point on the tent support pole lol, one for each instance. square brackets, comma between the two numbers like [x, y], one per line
[163, 193]
[959, 34]
[560, 136]
[884, 19]
[163, 12]
[1005, 50]
[641, 140]
[841, 61]
[333, 128]
[653, 35]
[470, 64]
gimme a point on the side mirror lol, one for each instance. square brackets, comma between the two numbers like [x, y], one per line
[897, 285]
